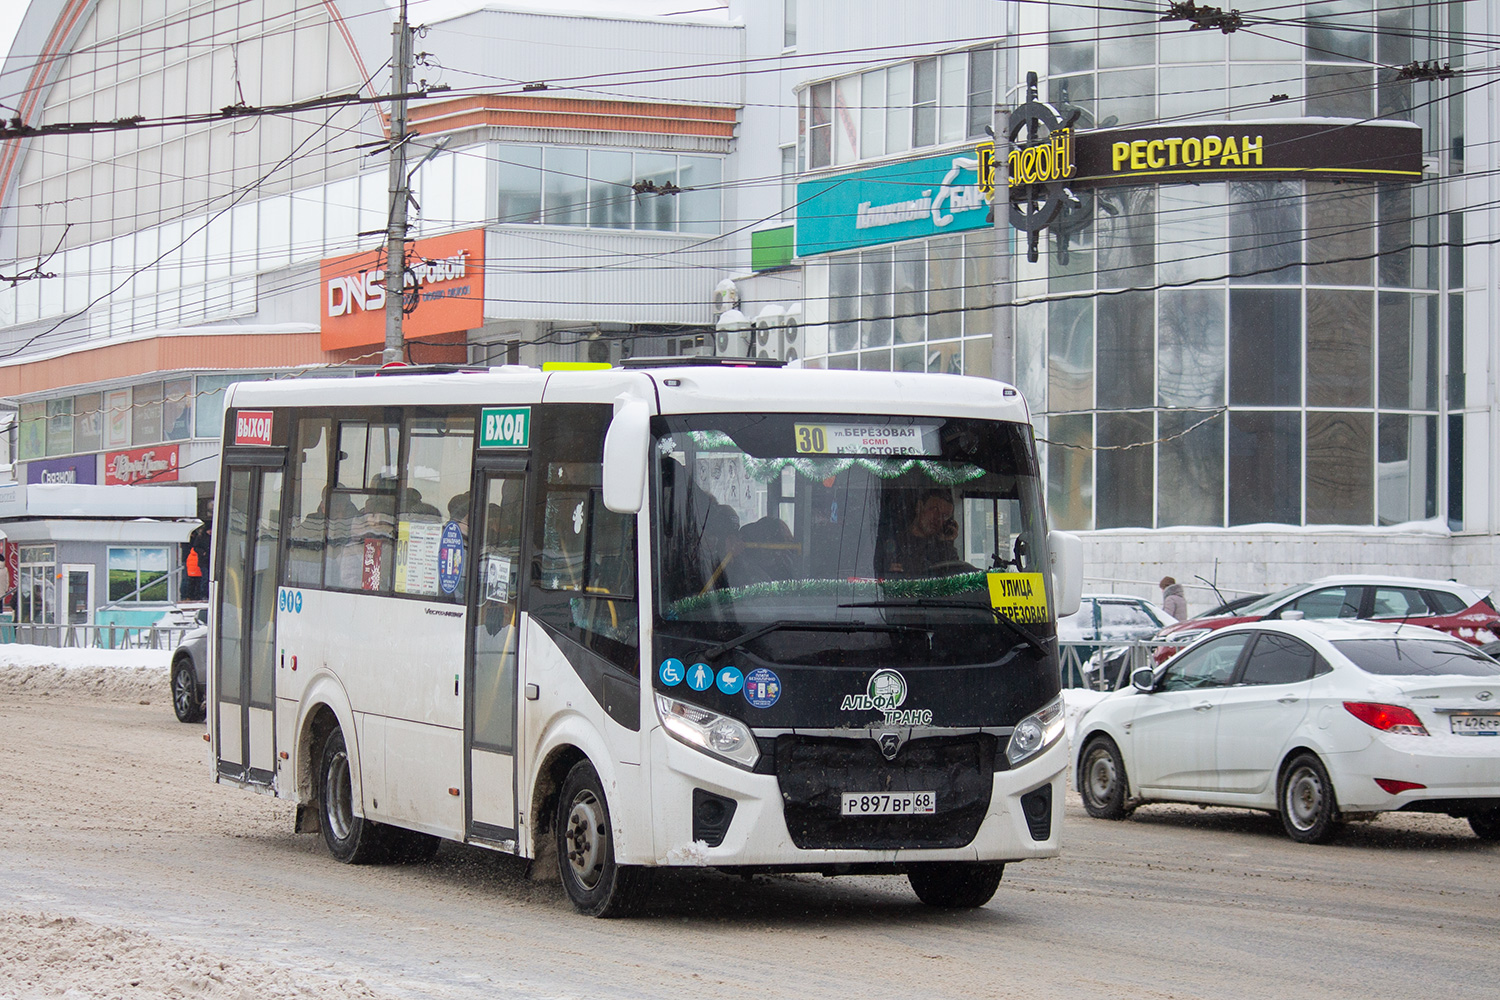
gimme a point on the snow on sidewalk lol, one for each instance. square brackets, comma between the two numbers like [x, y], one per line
[124, 674]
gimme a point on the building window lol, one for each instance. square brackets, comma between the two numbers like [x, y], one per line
[607, 189]
[788, 177]
[36, 584]
[910, 105]
[789, 24]
[138, 575]
[820, 126]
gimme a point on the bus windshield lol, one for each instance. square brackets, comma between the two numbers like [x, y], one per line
[847, 519]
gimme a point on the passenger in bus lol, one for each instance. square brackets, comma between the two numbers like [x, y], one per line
[414, 508]
[926, 547]
[718, 538]
[334, 520]
[766, 552]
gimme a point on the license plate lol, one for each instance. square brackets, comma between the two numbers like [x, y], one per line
[1475, 725]
[888, 803]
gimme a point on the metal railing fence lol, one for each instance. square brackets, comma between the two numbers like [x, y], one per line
[95, 636]
[1105, 666]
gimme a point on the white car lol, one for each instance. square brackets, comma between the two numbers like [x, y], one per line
[1319, 721]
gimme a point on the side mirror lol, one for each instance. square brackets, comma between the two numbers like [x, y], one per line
[1143, 679]
[1067, 570]
[626, 448]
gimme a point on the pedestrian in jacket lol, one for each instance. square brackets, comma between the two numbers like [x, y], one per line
[1173, 601]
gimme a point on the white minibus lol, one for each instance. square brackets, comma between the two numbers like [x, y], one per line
[684, 612]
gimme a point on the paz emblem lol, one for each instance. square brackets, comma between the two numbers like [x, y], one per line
[1484, 696]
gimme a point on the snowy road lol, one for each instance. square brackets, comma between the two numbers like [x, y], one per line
[125, 872]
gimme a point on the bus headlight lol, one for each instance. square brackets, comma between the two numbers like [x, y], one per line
[708, 731]
[1036, 732]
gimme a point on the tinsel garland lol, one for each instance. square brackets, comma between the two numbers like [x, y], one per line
[855, 590]
[763, 470]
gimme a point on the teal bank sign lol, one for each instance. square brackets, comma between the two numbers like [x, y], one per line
[898, 201]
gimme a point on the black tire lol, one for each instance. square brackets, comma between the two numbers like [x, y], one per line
[350, 838]
[1101, 779]
[597, 885]
[1308, 806]
[956, 885]
[187, 703]
[1486, 825]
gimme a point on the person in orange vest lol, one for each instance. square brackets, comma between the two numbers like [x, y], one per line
[195, 590]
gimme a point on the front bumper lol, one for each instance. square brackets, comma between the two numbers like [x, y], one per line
[758, 835]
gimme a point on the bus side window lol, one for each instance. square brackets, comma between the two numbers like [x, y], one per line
[584, 562]
[307, 534]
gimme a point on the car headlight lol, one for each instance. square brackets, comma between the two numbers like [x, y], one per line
[1184, 638]
[708, 731]
[1036, 732]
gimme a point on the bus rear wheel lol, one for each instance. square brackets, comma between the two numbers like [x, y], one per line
[350, 838]
[593, 881]
[956, 885]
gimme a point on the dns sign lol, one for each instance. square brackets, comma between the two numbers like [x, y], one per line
[1038, 165]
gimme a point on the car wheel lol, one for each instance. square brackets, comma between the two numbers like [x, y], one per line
[185, 699]
[597, 885]
[1101, 779]
[956, 885]
[1486, 825]
[350, 838]
[1309, 810]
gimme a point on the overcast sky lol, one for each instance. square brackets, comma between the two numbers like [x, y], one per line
[432, 10]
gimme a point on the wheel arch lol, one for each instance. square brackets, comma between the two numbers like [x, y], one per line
[325, 708]
[569, 740]
[1081, 742]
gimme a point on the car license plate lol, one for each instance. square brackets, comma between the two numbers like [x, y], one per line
[888, 803]
[1475, 725]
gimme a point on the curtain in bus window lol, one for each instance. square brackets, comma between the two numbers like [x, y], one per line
[306, 535]
[263, 581]
[432, 529]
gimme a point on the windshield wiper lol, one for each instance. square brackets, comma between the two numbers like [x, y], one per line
[721, 648]
[1039, 646]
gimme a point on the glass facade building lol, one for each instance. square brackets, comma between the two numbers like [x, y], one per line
[1278, 351]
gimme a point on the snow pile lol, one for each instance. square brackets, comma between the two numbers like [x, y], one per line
[115, 674]
[48, 957]
[1077, 701]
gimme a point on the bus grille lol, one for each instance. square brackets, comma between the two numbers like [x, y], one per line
[814, 772]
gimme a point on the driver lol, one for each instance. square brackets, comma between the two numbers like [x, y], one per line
[927, 546]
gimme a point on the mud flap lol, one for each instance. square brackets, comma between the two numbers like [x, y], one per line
[306, 821]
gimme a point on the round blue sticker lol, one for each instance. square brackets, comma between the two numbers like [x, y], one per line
[700, 677]
[762, 688]
[730, 680]
[450, 558]
[671, 671]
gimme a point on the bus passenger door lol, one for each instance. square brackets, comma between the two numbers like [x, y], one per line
[249, 535]
[494, 647]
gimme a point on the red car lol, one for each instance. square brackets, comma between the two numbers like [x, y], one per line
[1439, 604]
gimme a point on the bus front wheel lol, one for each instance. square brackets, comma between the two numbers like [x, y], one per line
[350, 838]
[597, 885]
[957, 885]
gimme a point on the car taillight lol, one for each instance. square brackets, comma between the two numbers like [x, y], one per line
[1395, 786]
[1387, 718]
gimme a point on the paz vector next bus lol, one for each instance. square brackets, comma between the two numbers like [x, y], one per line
[750, 617]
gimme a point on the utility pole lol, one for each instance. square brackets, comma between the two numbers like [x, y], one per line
[395, 263]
